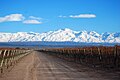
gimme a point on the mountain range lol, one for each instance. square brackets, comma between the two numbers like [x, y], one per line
[62, 35]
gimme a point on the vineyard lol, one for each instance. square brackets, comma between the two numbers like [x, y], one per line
[107, 57]
[10, 56]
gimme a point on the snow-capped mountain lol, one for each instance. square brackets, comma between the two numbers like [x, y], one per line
[61, 35]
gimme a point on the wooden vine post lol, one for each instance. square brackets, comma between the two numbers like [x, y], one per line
[9, 57]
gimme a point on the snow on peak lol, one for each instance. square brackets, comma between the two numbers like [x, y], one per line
[67, 29]
[61, 35]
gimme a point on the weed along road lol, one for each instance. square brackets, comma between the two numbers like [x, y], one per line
[42, 66]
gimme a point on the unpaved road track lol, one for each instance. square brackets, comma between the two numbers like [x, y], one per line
[40, 66]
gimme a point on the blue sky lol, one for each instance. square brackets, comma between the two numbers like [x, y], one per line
[45, 15]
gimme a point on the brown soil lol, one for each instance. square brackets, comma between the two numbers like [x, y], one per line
[40, 66]
[21, 71]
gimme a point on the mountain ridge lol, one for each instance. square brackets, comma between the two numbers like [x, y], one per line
[61, 35]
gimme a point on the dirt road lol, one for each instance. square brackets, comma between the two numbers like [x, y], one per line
[40, 66]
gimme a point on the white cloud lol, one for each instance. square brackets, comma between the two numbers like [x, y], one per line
[33, 17]
[20, 17]
[62, 16]
[12, 17]
[83, 16]
[32, 22]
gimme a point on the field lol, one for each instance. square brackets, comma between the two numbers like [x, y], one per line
[101, 56]
[88, 63]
